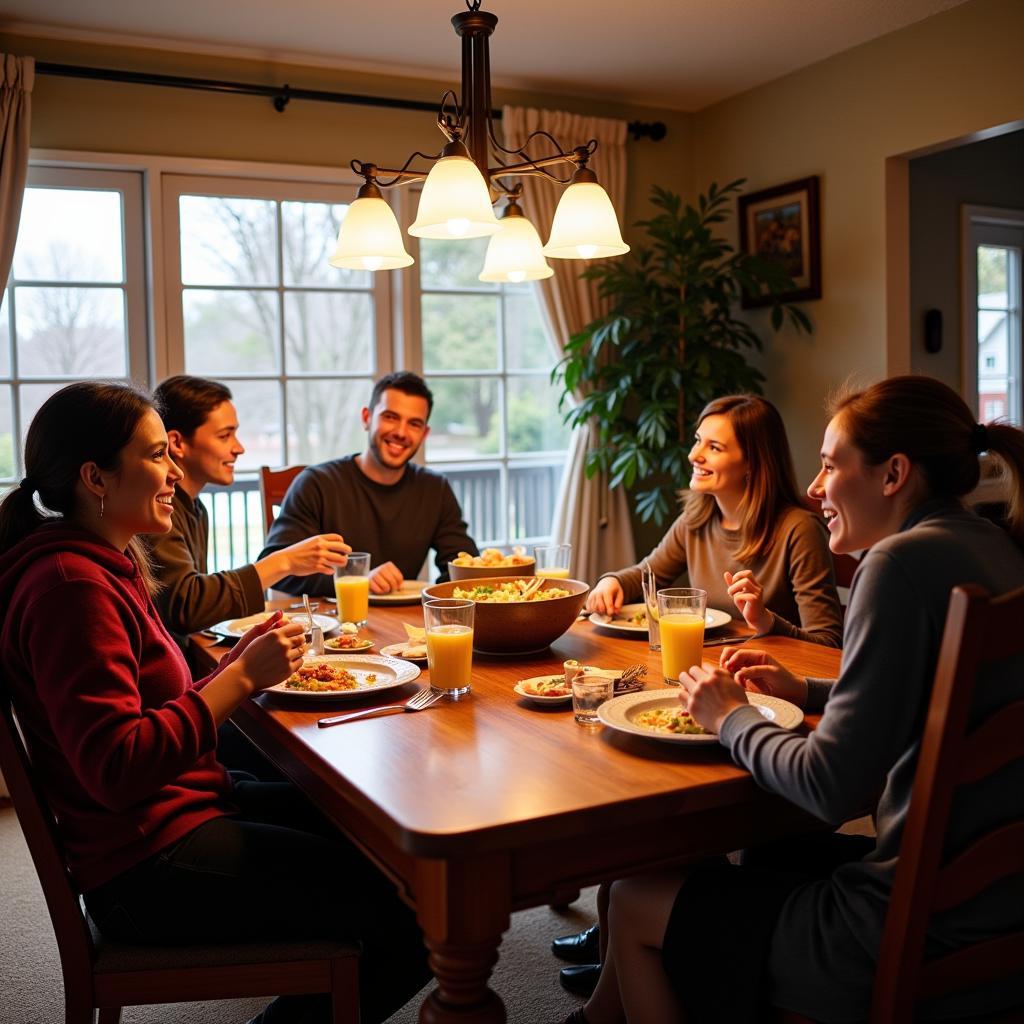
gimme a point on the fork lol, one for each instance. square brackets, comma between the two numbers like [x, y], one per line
[632, 673]
[417, 702]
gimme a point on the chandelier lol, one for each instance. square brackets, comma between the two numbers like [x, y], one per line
[459, 190]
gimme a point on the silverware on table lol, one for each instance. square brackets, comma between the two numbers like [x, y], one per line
[721, 641]
[417, 702]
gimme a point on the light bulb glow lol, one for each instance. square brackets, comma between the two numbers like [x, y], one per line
[455, 202]
[517, 276]
[514, 255]
[373, 262]
[584, 225]
[369, 238]
[587, 252]
[458, 226]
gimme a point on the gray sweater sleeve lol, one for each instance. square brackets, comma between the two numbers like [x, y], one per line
[872, 710]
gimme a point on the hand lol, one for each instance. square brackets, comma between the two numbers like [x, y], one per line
[761, 673]
[316, 554]
[606, 598]
[274, 656]
[748, 596]
[710, 694]
[248, 636]
[385, 578]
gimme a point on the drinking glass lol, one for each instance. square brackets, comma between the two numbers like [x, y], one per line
[352, 587]
[449, 625]
[552, 561]
[650, 586]
[681, 623]
[589, 692]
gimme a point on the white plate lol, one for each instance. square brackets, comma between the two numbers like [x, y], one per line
[713, 618]
[395, 651]
[619, 712]
[537, 698]
[408, 593]
[390, 672]
[238, 627]
[365, 643]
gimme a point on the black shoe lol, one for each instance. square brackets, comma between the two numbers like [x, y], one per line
[582, 948]
[581, 980]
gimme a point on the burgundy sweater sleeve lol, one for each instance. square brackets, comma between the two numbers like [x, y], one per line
[127, 725]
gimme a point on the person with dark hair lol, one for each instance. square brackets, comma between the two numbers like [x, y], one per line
[744, 536]
[165, 846]
[380, 500]
[799, 925]
[202, 432]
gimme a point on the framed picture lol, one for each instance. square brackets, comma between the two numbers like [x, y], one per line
[781, 224]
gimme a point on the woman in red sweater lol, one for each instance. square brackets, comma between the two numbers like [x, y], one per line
[164, 844]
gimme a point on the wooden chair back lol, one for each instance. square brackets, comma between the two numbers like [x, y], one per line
[274, 483]
[979, 630]
[105, 976]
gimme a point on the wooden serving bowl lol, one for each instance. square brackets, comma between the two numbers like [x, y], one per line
[519, 627]
[486, 572]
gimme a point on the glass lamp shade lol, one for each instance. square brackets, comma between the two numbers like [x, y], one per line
[584, 226]
[514, 253]
[369, 238]
[455, 202]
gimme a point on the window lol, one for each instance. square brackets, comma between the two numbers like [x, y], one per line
[992, 300]
[496, 431]
[74, 306]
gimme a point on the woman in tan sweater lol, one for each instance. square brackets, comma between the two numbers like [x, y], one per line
[744, 535]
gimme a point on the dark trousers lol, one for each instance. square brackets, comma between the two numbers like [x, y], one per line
[275, 871]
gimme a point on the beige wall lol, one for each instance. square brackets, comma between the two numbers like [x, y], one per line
[941, 79]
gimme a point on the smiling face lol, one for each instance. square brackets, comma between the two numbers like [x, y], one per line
[719, 465]
[210, 454]
[139, 492]
[857, 500]
[397, 426]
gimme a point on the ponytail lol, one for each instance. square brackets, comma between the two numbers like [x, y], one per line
[1007, 442]
[19, 515]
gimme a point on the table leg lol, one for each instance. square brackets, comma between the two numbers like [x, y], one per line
[463, 908]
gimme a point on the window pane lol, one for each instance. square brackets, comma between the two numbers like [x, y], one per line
[526, 342]
[228, 241]
[993, 365]
[534, 422]
[310, 236]
[67, 332]
[68, 234]
[323, 418]
[230, 331]
[32, 397]
[992, 267]
[460, 332]
[259, 422]
[7, 467]
[479, 495]
[445, 264]
[5, 337]
[329, 332]
[466, 419]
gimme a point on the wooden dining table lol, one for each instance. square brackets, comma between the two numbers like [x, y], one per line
[492, 804]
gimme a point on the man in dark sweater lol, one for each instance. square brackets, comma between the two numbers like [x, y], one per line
[202, 434]
[379, 500]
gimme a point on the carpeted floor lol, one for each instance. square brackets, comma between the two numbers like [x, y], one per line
[31, 991]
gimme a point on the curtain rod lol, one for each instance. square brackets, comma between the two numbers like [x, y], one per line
[281, 95]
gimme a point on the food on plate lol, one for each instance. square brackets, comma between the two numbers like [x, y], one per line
[636, 619]
[492, 558]
[320, 677]
[508, 593]
[348, 627]
[415, 632]
[570, 668]
[551, 686]
[674, 720]
[347, 642]
[411, 650]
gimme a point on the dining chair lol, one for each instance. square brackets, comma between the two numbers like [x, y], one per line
[979, 630]
[274, 483]
[106, 976]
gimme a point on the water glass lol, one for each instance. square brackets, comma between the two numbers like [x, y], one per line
[352, 588]
[552, 561]
[650, 586]
[681, 624]
[449, 626]
[589, 692]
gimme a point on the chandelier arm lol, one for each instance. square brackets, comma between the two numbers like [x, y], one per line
[533, 166]
[404, 176]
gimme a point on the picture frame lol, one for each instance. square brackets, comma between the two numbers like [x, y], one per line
[783, 223]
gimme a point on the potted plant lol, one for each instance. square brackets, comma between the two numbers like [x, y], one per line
[668, 344]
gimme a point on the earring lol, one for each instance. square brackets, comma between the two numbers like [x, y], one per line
[101, 506]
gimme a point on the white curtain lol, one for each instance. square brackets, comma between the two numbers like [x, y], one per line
[587, 515]
[16, 81]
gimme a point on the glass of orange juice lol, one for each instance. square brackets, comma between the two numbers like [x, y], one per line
[552, 561]
[681, 624]
[352, 587]
[449, 625]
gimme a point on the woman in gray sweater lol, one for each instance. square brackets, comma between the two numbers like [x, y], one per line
[801, 930]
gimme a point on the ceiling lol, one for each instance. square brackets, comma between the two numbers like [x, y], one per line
[679, 54]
